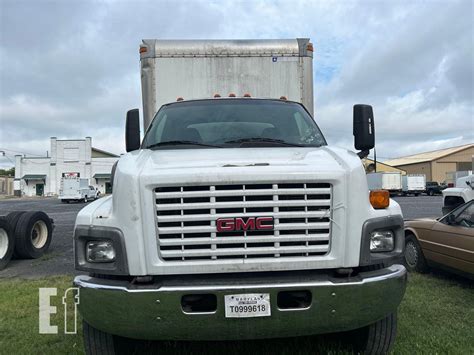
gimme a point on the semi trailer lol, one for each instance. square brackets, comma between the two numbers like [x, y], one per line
[232, 218]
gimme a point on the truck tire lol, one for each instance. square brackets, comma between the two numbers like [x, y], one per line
[85, 199]
[414, 259]
[97, 342]
[13, 218]
[33, 234]
[7, 243]
[377, 338]
[431, 193]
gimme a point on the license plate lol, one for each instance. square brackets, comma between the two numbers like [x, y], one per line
[247, 305]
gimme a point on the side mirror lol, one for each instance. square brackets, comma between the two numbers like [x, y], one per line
[363, 129]
[132, 130]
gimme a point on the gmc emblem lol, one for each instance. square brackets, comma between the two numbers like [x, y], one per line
[242, 224]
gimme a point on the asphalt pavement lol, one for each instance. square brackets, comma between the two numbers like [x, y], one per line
[59, 259]
[420, 206]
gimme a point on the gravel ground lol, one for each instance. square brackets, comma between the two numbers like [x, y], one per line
[59, 260]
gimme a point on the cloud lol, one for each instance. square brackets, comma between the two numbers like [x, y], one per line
[71, 68]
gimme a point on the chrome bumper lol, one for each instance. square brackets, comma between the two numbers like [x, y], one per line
[155, 312]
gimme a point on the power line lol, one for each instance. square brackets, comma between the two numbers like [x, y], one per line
[24, 153]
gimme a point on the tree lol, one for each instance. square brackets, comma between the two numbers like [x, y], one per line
[7, 172]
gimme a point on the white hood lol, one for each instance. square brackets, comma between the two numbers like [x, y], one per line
[237, 164]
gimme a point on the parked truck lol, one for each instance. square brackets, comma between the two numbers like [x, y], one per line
[391, 182]
[462, 192]
[413, 184]
[232, 218]
[77, 189]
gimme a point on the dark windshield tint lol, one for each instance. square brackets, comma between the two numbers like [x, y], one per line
[232, 122]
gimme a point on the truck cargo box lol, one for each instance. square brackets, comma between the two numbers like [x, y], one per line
[414, 183]
[385, 181]
[201, 68]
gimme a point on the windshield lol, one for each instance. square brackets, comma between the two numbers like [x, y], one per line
[229, 123]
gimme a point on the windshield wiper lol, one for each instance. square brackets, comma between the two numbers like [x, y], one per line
[264, 140]
[161, 144]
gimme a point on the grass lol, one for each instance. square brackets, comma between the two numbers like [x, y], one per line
[436, 316]
[45, 257]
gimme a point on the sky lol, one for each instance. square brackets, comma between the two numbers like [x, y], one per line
[70, 69]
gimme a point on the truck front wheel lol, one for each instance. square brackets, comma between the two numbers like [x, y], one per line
[377, 338]
[97, 342]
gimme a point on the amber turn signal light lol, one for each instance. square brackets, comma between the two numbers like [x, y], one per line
[379, 199]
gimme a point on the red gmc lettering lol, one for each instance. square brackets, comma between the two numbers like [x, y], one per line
[264, 223]
[242, 224]
[225, 225]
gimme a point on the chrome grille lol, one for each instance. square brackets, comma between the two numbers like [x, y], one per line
[186, 221]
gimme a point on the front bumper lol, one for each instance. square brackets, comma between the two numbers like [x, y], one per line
[154, 311]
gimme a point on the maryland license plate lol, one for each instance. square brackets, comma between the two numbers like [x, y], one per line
[247, 305]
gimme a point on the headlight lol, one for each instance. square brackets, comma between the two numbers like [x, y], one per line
[100, 251]
[381, 241]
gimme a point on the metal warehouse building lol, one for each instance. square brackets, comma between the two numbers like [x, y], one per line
[437, 164]
[41, 176]
[381, 167]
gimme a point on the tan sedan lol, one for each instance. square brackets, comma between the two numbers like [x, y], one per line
[447, 242]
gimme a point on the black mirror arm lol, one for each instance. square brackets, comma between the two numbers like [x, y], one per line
[363, 153]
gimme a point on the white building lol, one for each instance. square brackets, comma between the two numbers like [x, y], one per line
[41, 176]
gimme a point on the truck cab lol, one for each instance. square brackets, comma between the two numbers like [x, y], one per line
[232, 218]
[462, 192]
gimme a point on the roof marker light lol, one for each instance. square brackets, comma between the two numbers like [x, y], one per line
[283, 98]
[247, 95]
[143, 49]
[309, 47]
[179, 99]
[231, 95]
[216, 96]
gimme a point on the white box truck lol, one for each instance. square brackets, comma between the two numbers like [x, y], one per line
[391, 182]
[76, 189]
[414, 184]
[232, 218]
[461, 193]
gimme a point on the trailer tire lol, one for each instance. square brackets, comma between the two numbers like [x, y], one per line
[96, 341]
[7, 243]
[377, 338]
[33, 234]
